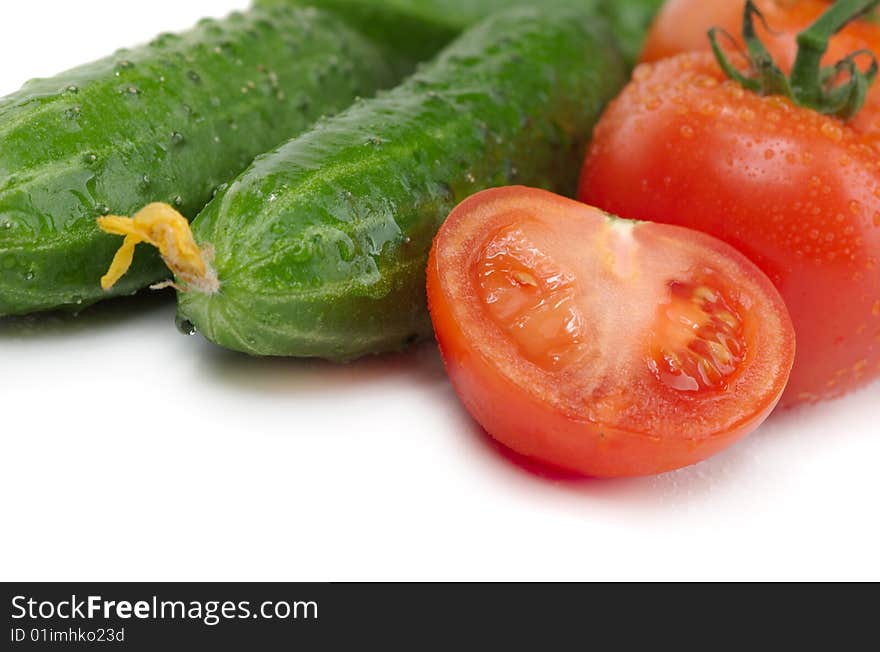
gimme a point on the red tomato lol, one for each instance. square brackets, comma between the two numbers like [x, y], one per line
[600, 345]
[683, 26]
[798, 193]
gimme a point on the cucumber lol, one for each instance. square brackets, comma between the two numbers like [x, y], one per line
[320, 247]
[407, 34]
[169, 121]
[418, 27]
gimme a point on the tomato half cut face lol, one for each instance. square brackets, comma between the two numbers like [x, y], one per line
[601, 345]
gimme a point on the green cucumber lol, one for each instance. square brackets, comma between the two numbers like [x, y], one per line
[417, 27]
[320, 247]
[169, 121]
[407, 34]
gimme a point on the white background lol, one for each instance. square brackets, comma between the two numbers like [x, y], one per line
[131, 452]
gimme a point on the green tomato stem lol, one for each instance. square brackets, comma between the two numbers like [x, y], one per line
[810, 85]
[813, 44]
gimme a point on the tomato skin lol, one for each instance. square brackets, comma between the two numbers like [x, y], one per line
[796, 192]
[521, 417]
[683, 26]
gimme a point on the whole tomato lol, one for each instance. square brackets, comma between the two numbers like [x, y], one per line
[683, 26]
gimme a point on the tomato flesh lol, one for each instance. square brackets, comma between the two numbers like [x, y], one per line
[528, 295]
[699, 338]
[604, 346]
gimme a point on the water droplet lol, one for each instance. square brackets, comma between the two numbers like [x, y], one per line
[185, 326]
[194, 76]
[272, 197]
[29, 276]
[8, 225]
[72, 89]
[133, 90]
[90, 158]
[177, 138]
[102, 209]
[178, 201]
[125, 64]
[831, 130]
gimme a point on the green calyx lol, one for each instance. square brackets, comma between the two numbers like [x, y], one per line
[838, 90]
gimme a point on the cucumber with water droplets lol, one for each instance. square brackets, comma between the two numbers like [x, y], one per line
[409, 33]
[169, 121]
[418, 27]
[320, 247]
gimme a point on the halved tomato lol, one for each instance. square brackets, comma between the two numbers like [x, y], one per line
[601, 345]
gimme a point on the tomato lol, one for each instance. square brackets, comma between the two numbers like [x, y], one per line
[683, 26]
[599, 345]
[796, 192]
